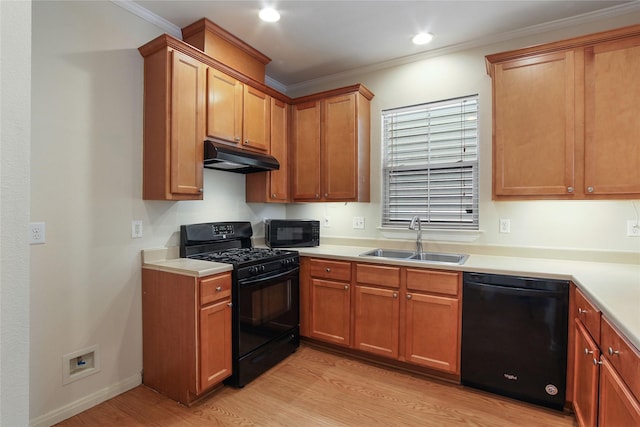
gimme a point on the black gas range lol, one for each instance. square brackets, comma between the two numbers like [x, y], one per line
[265, 294]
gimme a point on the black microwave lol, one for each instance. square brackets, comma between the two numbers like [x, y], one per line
[291, 233]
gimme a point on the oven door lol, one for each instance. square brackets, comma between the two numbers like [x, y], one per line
[267, 308]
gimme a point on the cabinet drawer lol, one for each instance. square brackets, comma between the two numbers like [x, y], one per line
[440, 282]
[623, 356]
[378, 275]
[588, 314]
[215, 288]
[325, 269]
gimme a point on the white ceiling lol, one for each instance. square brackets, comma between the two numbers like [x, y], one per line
[314, 39]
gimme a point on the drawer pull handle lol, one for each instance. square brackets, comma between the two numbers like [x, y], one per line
[582, 311]
[328, 270]
[346, 287]
[395, 295]
[218, 288]
[597, 362]
[613, 352]
[587, 351]
[230, 304]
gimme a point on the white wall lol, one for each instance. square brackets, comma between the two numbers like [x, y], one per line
[86, 176]
[15, 102]
[584, 225]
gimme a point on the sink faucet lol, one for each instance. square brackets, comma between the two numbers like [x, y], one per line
[416, 221]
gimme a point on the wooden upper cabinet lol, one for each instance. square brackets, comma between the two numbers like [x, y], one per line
[565, 118]
[331, 146]
[273, 186]
[305, 159]
[612, 127]
[237, 113]
[533, 117]
[173, 125]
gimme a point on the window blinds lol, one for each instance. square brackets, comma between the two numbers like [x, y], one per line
[430, 164]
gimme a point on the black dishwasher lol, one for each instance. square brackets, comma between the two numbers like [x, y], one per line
[514, 337]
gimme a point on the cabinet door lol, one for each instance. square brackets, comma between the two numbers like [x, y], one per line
[377, 320]
[224, 106]
[533, 110]
[433, 331]
[215, 344]
[618, 407]
[187, 124]
[255, 128]
[279, 180]
[330, 311]
[305, 158]
[586, 374]
[612, 128]
[339, 149]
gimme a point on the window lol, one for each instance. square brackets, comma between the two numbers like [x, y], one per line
[430, 164]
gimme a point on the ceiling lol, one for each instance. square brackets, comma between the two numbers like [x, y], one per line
[314, 39]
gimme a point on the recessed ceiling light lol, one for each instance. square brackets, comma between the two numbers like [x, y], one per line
[422, 38]
[269, 14]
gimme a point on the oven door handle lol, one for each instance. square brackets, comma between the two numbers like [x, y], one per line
[259, 279]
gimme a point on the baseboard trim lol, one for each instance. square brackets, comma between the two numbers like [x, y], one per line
[86, 402]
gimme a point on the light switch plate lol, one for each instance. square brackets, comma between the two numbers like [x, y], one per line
[358, 222]
[136, 229]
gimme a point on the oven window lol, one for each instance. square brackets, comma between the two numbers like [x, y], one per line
[266, 311]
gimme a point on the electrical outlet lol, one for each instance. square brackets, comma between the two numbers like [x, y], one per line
[358, 222]
[505, 225]
[136, 228]
[36, 233]
[326, 222]
[633, 228]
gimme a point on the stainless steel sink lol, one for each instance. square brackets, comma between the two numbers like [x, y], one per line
[441, 257]
[390, 253]
[433, 257]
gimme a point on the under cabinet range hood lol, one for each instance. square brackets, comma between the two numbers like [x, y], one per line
[231, 159]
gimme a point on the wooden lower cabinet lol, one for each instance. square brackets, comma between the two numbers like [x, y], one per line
[432, 337]
[404, 314]
[586, 377]
[186, 333]
[618, 406]
[606, 384]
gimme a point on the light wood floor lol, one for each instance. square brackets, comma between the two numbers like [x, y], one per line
[316, 388]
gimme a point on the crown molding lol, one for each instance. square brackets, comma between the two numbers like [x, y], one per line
[585, 18]
[150, 17]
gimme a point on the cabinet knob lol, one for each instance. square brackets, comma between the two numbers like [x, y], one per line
[395, 295]
[612, 352]
[328, 270]
[326, 194]
[346, 287]
[597, 362]
[200, 190]
[274, 195]
[408, 296]
[569, 189]
[582, 311]
[237, 139]
[230, 304]
[317, 196]
[218, 288]
[246, 142]
[587, 351]
[589, 189]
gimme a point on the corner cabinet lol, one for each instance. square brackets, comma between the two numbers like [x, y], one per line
[330, 146]
[174, 126]
[273, 186]
[606, 388]
[186, 333]
[563, 118]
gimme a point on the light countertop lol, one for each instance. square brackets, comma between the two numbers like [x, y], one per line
[613, 287]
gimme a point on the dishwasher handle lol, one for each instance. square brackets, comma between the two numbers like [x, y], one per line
[502, 289]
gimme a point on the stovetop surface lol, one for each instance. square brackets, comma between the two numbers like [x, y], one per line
[241, 256]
